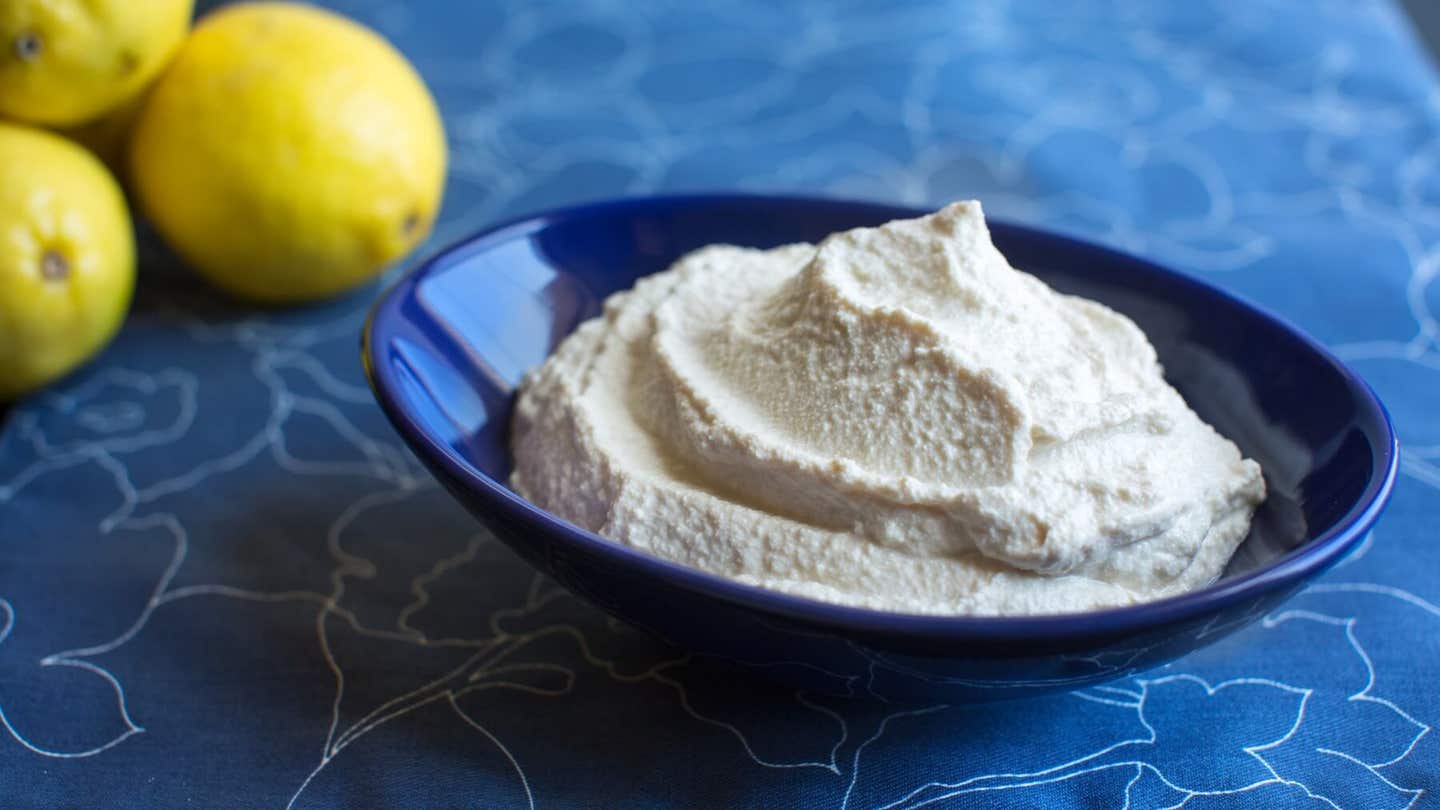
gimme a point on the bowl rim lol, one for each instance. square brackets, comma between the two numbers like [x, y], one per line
[1311, 558]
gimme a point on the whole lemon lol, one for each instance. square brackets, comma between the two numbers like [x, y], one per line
[287, 153]
[63, 62]
[67, 258]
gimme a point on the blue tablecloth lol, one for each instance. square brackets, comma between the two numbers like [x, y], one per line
[224, 582]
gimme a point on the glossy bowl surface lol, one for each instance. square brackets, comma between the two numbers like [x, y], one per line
[445, 347]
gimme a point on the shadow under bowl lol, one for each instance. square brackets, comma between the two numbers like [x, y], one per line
[446, 346]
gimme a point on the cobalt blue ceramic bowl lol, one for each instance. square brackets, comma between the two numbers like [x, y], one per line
[446, 346]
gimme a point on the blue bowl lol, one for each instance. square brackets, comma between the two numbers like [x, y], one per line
[445, 347]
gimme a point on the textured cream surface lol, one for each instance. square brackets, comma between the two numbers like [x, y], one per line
[895, 419]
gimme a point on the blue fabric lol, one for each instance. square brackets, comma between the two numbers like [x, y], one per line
[224, 582]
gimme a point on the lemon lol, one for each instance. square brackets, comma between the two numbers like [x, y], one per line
[63, 62]
[287, 153]
[67, 258]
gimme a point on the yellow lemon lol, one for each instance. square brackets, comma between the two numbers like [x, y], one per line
[287, 153]
[67, 258]
[63, 62]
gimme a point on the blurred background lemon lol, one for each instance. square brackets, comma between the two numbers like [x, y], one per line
[71, 61]
[287, 153]
[67, 257]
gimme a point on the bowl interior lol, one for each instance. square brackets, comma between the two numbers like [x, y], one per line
[452, 341]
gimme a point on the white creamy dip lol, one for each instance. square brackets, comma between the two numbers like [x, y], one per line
[895, 419]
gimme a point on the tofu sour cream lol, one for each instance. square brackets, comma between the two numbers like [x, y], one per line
[895, 419]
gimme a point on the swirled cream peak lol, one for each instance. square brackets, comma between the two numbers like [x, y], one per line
[896, 418]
